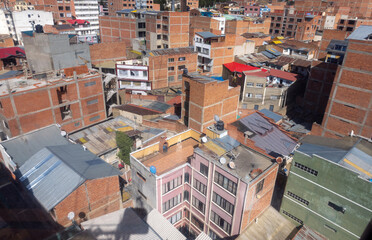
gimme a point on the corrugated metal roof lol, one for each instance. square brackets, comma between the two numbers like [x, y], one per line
[228, 143]
[267, 136]
[307, 233]
[275, 117]
[203, 236]
[24, 146]
[361, 33]
[163, 227]
[206, 34]
[48, 178]
[54, 172]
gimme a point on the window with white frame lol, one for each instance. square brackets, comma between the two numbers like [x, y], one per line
[259, 85]
[258, 96]
[175, 218]
[250, 84]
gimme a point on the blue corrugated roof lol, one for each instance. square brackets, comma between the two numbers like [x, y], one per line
[218, 78]
[275, 117]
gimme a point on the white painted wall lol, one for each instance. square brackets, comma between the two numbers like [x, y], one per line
[23, 20]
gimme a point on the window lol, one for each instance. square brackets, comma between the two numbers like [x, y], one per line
[171, 69]
[67, 8]
[198, 204]
[199, 224]
[165, 37]
[300, 199]
[205, 51]
[186, 195]
[336, 207]
[271, 107]
[170, 60]
[213, 235]
[62, 15]
[5, 124]
[349, 29]
[90, 102]
[171, 203]
[225, 182]
[172, 184]
[259, 186]
[200, 186]
[306, 169]
[187, 178]
[171, 79]
[60, 8]
[258, 96]
[158, 46]
[293, 217]
[158, 36]
[203, 169]
[158, 26]
[94, 118]
[186, 213]
[250, 84]
[198, 49]
[181, 67]
[89, 84]
[141, 34]
[256, 107]
[223, 203]
[182, 59]
[259, 85]
[221, 222]
[141, 177]
[141, 25]
[274, 97]
[175, 218]
[180, 77]
[249, 95]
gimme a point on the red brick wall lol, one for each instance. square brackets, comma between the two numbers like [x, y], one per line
[6, 42]
[35, 109]
[102, 52]
[117, 29]
[94, 198]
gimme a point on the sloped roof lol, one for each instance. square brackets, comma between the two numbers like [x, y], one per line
[267, 135]
[274, 116]
[238, 67]
[361, 33]
[12, 51]
[55, 172]
[22, 147]
[282, 74]
[137, 109]
[207, 34]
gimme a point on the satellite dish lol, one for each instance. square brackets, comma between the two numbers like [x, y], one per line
[204, 139]
[153, 169]
[71, 215]
[216, 118]
[222, 160]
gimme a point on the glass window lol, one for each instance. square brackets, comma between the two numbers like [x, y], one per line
[187, 177]
[223, 203]
[250, 84]
[259, 186]
[198, 204]
[259, 85]
[200, 186]
[186, 195]
[182, 59]
[171, 69]
[222, 223]
[225, 182]
[199, 224]
[171, 79]
[203, 169]
[170, 59]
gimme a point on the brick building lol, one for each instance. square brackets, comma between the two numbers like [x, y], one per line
[296, 24]
[187, 5]
[195, 184]
[68, 178]
[204, 97]
[104, 52]
[73, 101]
[259, 25]
[6, 41]
[116, 29]
[161, 68]
[356, 8]
[117, 5]
[252, 11]
[167, 30]
[214, 25]
[349, 104]
[215, 50]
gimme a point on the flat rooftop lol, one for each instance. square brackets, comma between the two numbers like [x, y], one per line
[21, 84]
[175, 156]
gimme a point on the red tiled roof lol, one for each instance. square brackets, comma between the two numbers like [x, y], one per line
[12, 51]
[78, 21]
[238, 67]
[282, 74]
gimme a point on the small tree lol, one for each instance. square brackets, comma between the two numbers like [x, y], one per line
[124, 144]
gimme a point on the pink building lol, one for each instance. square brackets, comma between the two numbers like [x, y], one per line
[252, 11]
[204, 182]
